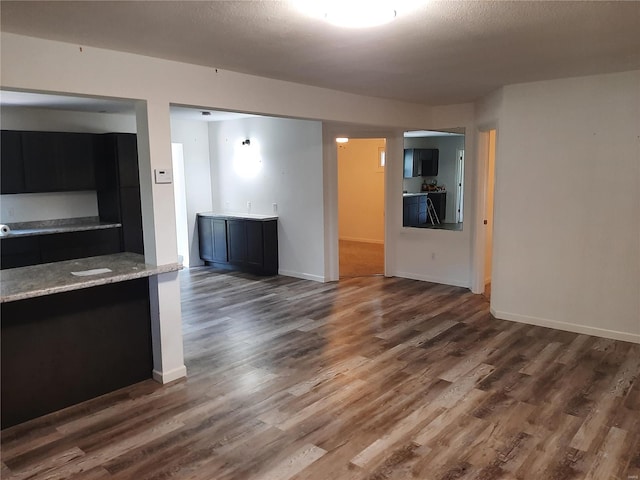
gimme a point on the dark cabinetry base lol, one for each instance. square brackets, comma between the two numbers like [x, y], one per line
[62, 349]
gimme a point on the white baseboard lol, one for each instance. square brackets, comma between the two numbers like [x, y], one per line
[568, 327]
[303, 276]
[362, 240]
[427, 278]
[170, 376]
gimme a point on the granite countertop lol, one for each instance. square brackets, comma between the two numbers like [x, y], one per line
[44, 227]
[251, 216]
[49, 278]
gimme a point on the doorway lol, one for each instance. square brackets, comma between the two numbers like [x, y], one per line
[488, 214]
[361, 179]
[180, 198]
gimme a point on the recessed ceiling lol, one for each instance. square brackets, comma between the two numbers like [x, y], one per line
[443, 52]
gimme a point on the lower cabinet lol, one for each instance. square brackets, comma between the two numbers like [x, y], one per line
[56, 247]
[415, 210]
[62, 349]
[245, 244]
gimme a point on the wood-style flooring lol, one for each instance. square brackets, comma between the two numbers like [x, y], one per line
[359, 259]
[369, 378]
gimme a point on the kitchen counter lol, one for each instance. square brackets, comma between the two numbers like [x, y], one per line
[251, 216]
[422, 193]
[25, 229]
[50, 278]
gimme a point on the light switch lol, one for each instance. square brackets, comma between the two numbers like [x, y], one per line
[163, 176]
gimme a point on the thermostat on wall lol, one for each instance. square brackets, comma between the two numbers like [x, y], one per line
[163, 176]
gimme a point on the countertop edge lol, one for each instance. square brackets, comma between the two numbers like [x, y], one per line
[246, 216]
[53, 230]
[94, 282]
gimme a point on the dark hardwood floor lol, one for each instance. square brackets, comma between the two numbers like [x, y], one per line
[368, 378]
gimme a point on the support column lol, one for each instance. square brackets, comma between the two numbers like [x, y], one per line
[160, 244]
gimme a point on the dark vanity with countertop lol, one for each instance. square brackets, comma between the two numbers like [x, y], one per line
[245, 242]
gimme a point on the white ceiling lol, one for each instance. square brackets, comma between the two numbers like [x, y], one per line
[444, 52]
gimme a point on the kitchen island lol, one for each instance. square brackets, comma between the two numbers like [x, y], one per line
[72, 331]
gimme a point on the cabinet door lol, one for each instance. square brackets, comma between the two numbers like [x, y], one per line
[428, 158]
[237, 238]
[75, 161]
[90, 243]
[56, 161]
[12, 166]
[41, 172]
[422, 209]
[127, 153]
[205, 238]
[19, 252]
[219, 240]
[255, 243]
[412, 164]
[270, 237]
[131, 219]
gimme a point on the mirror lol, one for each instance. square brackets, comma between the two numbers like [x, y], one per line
[433, 183]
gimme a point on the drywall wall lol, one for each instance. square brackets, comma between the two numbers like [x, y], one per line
[361, 191]
[194, 137]
[284, 168]
[567, 205]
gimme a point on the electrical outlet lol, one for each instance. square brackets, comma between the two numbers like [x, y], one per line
[248, 207]
[433, 255]
[275, 208]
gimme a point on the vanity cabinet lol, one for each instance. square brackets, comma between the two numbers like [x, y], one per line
[239, 243]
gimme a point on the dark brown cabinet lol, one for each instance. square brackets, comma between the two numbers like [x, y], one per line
[421, 162]
[55, 162]
[234, 243]
[12, 166]
[118, 187]
[55, 247]
[34, 162]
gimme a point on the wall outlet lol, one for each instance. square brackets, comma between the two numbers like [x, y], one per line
[248, 207]
[275, 208]
[433, 255]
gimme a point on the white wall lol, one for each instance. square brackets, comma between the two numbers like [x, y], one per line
[567, 205]
[194, 137]
[290, 176]
[29, 207]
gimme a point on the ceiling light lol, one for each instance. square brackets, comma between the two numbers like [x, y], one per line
[342, 140]
[350, 13]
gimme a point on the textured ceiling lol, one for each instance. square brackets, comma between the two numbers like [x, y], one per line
[444, 52]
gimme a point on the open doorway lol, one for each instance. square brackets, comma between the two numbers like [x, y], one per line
[488, 214]
[361, 165]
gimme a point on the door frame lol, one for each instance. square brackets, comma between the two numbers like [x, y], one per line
[330, 184]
